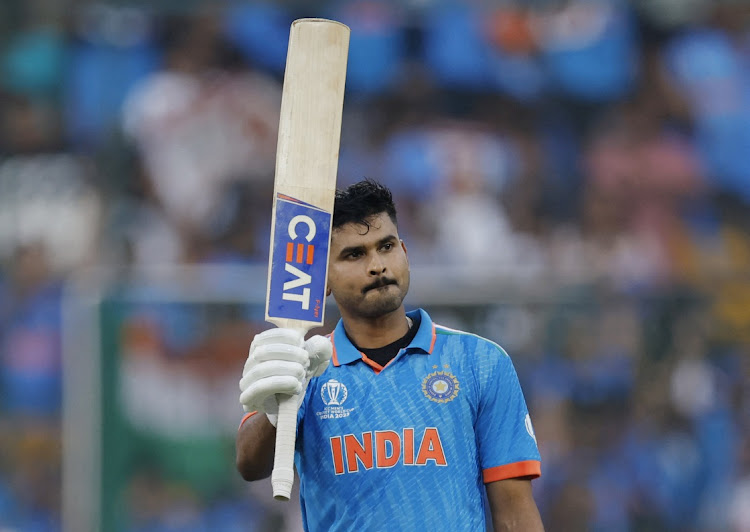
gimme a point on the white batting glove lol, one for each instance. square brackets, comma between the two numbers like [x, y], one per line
[281, 362]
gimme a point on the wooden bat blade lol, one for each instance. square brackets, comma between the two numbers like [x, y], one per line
[311, 109]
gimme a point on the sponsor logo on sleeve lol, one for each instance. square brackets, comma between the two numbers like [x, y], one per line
[529, 427]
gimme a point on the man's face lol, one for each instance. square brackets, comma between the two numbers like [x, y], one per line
[368, 272]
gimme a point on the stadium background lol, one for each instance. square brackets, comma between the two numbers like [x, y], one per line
[573, 178]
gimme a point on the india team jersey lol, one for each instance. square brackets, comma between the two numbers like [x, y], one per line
[410, 446]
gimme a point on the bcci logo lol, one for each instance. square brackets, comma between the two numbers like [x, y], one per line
[440, 386]
[333, 393]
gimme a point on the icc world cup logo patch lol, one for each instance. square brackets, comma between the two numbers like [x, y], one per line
[333, 393]
[440, 386]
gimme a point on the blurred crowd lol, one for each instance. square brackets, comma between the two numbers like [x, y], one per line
[596, 149]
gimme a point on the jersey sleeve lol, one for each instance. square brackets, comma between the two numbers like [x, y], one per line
[505, 436]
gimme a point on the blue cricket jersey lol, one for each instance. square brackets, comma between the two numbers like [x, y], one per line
[409, 446]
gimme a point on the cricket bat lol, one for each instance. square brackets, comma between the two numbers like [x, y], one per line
[304, 188]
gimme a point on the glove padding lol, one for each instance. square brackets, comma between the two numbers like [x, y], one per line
[281, 362]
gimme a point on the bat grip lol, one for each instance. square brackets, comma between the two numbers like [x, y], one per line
[282, 477]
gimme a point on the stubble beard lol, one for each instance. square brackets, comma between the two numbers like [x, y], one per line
[382, 306]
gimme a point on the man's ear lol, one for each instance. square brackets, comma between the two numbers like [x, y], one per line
[406, 252]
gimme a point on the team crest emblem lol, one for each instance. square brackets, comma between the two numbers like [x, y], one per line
[440, 386]
[333, 393]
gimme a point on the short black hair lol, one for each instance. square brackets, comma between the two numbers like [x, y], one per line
[359, 202]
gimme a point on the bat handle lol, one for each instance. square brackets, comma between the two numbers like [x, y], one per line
[282, 477]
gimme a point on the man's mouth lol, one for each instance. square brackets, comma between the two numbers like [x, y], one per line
[380, 283]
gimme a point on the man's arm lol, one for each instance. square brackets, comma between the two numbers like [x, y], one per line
[513, 507]
[255, 447]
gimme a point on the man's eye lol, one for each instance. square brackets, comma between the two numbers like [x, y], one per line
[388, 246]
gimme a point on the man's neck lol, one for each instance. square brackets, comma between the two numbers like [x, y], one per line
[371, 333]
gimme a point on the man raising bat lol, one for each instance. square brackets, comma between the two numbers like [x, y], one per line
[411, 422]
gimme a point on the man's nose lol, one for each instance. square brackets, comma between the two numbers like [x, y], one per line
[377, 266]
